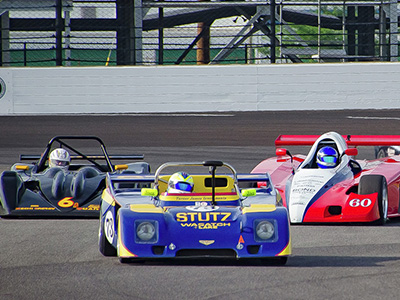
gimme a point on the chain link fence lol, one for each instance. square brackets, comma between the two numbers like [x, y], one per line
[143, 32]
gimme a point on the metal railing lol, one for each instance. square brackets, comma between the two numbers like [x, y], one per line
[140, 32]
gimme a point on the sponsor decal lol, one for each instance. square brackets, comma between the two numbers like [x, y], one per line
[203, 220]
[205, 225]
[240, 244]
[90, 207]
[304, 190]
[206, 242]
[35, 207]
[202, 217]
[200, 198]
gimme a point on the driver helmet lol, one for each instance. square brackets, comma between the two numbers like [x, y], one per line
[180, 182]
[59, 158]
[327, 157]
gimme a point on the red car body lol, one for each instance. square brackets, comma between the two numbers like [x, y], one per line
[353, 191]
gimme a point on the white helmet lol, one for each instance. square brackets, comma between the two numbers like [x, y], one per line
[180, 182]
[59, 158]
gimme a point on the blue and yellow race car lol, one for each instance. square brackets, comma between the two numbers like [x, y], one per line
[214, 214]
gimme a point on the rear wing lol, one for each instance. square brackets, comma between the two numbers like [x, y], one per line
[249, 180]
[78, 157]
[130, 178]
[351, 140]
[120, 178]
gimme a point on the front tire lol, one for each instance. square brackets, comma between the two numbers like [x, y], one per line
[376, 184]
[104, 246]
[274, 261]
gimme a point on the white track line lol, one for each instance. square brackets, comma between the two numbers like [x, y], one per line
[143, 114]
[183, 115]
[374, 118]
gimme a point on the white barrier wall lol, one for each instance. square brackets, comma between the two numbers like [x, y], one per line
[145, 89]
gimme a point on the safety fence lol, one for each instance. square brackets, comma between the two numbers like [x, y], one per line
[143, 32]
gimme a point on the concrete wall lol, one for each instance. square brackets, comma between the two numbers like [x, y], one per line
[144, 89]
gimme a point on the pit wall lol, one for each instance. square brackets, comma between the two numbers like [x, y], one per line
[149, 89]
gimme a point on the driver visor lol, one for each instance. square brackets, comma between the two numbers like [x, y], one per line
[328, 159]
[61, 163]
[183, 186]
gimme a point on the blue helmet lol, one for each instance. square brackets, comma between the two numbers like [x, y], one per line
[327, 157]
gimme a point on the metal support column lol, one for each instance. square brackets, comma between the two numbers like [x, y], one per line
[366, 31]
[273, 31]
[383, 49]
[67, 38]
[391, 12]
[160, 36]
[59, 30]
[129, 32]
[5, 58]
[138, 31]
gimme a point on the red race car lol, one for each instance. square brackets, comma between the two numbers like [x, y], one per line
[328, 185]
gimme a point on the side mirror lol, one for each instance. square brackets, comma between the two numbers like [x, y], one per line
[120, 167]
[281, 152]
[22, 168]
[149, 192]
[249, 192]
[351, 151]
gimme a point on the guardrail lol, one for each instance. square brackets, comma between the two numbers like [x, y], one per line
[216, 88]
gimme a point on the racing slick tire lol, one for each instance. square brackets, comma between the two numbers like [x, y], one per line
[376, 184]
[104, 246]
[12, 187]
[124, 260]
[276, 261]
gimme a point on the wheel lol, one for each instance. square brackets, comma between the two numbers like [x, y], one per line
[275, 261]
[124, 260]
[12, 188]
[104, 245]
[376, 183]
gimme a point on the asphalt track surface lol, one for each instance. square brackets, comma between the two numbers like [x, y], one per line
[59, 259]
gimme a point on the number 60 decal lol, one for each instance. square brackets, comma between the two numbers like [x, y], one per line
[363, 203]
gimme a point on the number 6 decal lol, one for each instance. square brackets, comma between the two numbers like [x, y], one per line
[66, 202]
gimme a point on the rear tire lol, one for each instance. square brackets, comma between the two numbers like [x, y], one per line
[376, 184]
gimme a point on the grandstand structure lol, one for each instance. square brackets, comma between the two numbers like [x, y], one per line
[144, 32]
